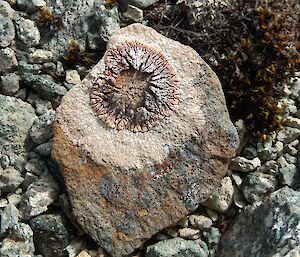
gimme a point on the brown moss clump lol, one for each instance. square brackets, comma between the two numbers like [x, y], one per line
[252, 46]
[47, 20]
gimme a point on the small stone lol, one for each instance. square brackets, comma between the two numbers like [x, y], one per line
[178, 247]
[256, 185]
[292, 122]
[83, 254]
[172, 232]
[9, 218]
[189, 233]
[44, 149]
[8, 60]
[243, 135]
[28, 180]
[290, 159]
[31, 5]
[40, 56]
[75, 246]
[5, 161]
[72, 77]
[21, 94]
[237, 179]
[3, 203]
[184, 223]
[291, 150]
[288, 134]
[213, 215]
[249, 152]
[10, 179]
[221, 199]
[281, 161]
[19, 242]
[141, 3]
[6, 10]
[38, 197]
[24, 68]
[41, 129]
[27, 32]
[238, 198]
[7, 30]
[45, 86]
[36, 166]
[242, 164]
[10, 84]
[201, 222]
[289, 175]
[50, 235]
[42, 106]
[133, 13]
[269, 167]
[213, 235]
[14, 198]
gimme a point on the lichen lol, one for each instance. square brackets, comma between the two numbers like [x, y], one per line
[137, 89]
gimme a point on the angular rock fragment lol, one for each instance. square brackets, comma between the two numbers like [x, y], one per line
[269, 229]
[143, 139]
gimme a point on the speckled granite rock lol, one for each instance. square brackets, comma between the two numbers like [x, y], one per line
[16, 119]
[126, 186]
[270, 229]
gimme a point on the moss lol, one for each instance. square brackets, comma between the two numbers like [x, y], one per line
[251, 46]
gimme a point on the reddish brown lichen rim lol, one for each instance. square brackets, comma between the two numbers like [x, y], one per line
[137, 89]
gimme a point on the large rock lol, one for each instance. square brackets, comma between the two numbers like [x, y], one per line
[16, 119]
[270, 229]
[127, 184]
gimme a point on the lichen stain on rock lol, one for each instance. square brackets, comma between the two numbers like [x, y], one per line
[138, 88]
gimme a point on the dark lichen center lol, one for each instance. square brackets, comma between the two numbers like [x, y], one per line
[132, 85]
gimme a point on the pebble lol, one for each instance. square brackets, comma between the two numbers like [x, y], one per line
[3, 203]
[9, 218]
[213, 235]
[7, 31]
[249, 152]
[8, 60]
[201, 222]
[41, 130]
[51, 235]
[256, 185]
[213, 215]
[10, 84]
[27, 32]
[46, 87]
[238, 198]
[289, 175]
[141, 3]
[40, 56]
[288, 134]
[24, 68]
[36, 166]
[42, 106]
[14, 198]
[28, 180]
[184, 223]
[75, 247]
[6, 10]
[5, 161]
[10, 179]
[44, 149]
[72, 77]
[243, 135]
[269, 167]
[178, 247]
[245, 165]
[38, 197]
[221, 199]
[292, 122]
[19, 242]
[31, 5]
[189, 233]
[133, 13]
[83, 254]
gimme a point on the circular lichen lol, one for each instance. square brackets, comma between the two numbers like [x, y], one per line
[137, 89]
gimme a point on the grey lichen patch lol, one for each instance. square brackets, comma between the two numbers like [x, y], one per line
[137, 89]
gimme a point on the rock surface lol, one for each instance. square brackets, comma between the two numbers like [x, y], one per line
[178, 247]
[270, 229]
[16, 119]
[50, 235]
[125, 186]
